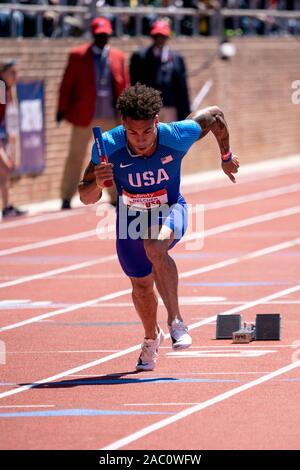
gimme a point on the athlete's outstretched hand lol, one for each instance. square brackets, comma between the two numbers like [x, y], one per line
[231, 167]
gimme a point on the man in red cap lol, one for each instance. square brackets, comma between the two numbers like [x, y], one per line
[95, 76]
[163, 69]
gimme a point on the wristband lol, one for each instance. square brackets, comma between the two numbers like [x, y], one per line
[227, 157]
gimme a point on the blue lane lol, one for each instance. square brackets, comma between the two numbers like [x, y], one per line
[79, 412]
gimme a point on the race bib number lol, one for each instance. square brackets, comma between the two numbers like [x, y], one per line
[143, 202]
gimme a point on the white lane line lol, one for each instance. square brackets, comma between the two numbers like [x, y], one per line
[111, 305]
[45, 218]
[258, 196]
[160, 404]
[214, 205]
[242, 223]
[249, 172]
[16, 305]
[74, 276]
[48, 242]
[65, 310]
[240, 353]
[184, 304]
[210, 232]
[27, 406]
[198, 407]
[55, 272]
[252, 255]
[231, 347]
[131, 349]
[95, 276]
[248, 305]
[64, 352]
[236, 260]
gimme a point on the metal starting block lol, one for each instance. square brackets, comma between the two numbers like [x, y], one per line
[268, 327]
[226, 325]
[245, 334]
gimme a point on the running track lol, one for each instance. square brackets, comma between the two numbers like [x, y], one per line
[72, 336]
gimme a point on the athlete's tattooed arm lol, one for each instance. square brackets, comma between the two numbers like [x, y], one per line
[212, 119]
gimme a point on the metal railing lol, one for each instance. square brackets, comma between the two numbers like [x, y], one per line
[139, 13]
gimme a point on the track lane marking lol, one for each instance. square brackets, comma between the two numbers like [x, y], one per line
[131, 349]
[113, 295]
[198, 407]
[111, 228]
[210, 232]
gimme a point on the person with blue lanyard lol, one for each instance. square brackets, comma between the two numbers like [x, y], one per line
[144, 160]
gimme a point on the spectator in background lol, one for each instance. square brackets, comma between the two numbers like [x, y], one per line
[25, 23]
[30, 18]
[209, 25]
[149, 18]
[73, 24]
[187, 21]
[51, 20]
[95, 76]
[8, 74]
[17, 21]
[159, 67]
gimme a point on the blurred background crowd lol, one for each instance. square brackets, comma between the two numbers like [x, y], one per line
[64, 63]
[62, 18]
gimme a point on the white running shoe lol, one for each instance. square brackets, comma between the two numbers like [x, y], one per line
[179, 335]
[149, 354]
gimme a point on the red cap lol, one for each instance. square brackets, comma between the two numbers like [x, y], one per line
[101, 26]
[161, 27]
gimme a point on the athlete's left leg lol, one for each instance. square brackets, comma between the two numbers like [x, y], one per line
[165, 274]
[164, 271]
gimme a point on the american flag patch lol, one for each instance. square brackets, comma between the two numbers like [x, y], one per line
[166, 159]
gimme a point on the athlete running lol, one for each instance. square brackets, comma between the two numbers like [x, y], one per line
[145, 163]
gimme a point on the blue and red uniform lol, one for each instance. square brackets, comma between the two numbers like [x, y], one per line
[145, 183]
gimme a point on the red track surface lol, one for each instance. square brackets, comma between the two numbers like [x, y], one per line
[107, 396]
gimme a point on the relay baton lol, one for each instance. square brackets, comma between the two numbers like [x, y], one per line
[101, 155]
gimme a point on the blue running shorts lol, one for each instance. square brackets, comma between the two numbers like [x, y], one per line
[130, 245]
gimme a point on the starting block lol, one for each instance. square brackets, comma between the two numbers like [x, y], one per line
[226, 325]
[245, 334]
[268, 327]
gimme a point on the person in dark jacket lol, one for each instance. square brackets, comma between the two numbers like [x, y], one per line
[164, 69]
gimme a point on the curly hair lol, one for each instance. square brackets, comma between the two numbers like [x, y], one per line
[139, 102]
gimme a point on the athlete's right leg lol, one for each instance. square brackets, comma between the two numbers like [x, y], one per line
[136, 265]
[145, 302]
